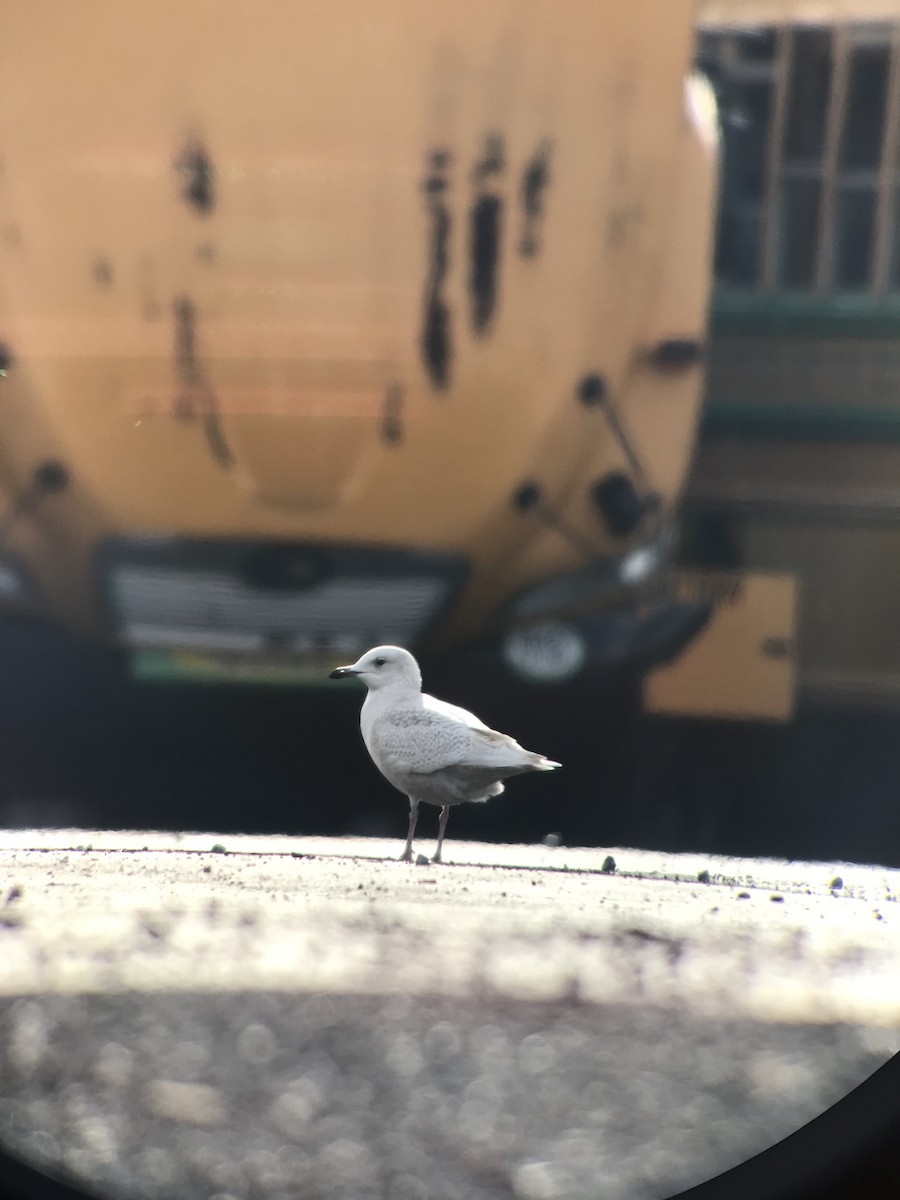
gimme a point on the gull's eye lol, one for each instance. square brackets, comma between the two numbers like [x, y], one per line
[379, 662]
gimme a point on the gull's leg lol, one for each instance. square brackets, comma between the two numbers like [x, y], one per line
[406, 856]
[442, 825]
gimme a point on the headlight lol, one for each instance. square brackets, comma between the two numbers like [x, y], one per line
[551, 652]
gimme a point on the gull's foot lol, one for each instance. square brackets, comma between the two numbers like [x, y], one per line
[406, 856]
[436, 857]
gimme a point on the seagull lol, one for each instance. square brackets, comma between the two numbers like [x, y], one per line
[433, 752]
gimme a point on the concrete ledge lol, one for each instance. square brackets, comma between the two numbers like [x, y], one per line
[762, 939]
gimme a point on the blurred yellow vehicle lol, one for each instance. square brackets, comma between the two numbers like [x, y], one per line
[330, 323]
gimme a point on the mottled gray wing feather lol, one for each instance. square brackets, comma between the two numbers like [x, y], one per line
[423, 741]
[417, 741]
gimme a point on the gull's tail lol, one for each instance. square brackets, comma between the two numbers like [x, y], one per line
[540, 763]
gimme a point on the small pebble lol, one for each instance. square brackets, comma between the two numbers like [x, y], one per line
[155, 925]
[422, 861]
[836, 884]
[743, 895]
[218, 848]
[14, 893]
[777, 899]
[609, 865]
[551, 839]
[703, 876]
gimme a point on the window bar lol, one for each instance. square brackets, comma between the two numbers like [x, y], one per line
[879, 266]
[837, 104]
[770, 237]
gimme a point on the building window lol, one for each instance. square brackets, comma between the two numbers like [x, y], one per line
[811, 177]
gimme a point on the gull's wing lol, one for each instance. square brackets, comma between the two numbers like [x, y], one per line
[429, 739]
[418, 741]
[452, 710]
[488, 746]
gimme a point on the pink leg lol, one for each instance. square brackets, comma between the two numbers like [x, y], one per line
[406, 856]
[442, 825]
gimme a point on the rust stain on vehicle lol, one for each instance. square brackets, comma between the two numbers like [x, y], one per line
[195, 169]
[196, 399]
[392, 417]
[535, 181]
[436, 336]
[485, 231]
[102, 272]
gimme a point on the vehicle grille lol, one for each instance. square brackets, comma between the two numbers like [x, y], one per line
[359, 601]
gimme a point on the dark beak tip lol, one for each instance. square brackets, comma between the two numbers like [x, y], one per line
[341, 673]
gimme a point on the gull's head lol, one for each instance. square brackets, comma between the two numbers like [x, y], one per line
[383, 666]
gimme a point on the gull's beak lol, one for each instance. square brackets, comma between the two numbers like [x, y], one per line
[343, 672]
